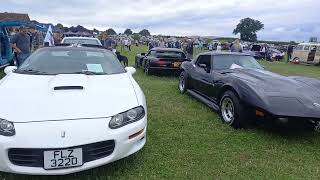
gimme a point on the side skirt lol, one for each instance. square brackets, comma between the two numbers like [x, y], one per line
[204, 100]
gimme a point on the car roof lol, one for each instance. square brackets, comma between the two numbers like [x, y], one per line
[215, 53]
[73, 47]
[310, 43]
[80, 38]
[166, 49]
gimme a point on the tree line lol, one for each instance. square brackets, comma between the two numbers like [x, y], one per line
[110, 31]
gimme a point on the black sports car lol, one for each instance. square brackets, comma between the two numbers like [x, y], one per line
[161, 59]
[239, 88]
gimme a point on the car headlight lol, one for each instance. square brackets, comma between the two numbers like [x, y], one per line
[127, 117]
[7, 128]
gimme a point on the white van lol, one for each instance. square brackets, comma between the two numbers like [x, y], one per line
[307, 53]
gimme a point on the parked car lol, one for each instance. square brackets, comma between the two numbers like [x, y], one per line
[161, 59]
[306, 53]
[81, 40]
[238, 87]
[256, 52]
[69, 109]
[276, 54]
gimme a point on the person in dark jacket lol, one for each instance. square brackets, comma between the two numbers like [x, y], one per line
[289, 52]
[22, 45]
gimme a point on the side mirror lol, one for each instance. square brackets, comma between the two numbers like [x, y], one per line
[9, 69]
[143, 54]
[131, 70]
[204, 66]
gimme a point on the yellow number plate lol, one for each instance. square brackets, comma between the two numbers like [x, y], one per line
[177, 64]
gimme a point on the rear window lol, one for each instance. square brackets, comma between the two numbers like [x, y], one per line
[299, 47]
[256, 48]
[167, 54]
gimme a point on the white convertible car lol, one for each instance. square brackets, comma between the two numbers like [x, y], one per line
[68, 109]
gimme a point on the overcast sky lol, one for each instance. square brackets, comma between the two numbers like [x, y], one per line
[283, 19]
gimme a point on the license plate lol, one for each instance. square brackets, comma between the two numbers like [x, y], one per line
[66, 158]
[176, 64]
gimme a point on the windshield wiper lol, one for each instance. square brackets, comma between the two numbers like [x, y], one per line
[86, 72]
[30, 71]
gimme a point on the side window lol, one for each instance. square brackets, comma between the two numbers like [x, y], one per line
[299, 48]
[204, 59]
[152, 53]
[306, 48]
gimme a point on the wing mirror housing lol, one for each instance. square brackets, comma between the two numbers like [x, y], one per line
[131, 70]
[204, 66]
[9, 69]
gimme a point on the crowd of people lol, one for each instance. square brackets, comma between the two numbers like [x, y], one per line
[26, 40]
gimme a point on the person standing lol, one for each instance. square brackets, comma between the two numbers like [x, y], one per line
[21, 44]
[289, 52]
[218, 47]
[236, 46]
[189, 49]
[151, 45]
[129, 44]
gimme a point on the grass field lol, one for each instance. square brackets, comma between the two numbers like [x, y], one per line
[186, 140]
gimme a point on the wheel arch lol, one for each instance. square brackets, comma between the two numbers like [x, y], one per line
[226, 88]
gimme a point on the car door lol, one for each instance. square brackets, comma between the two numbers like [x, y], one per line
[216, 79]
[202, 75]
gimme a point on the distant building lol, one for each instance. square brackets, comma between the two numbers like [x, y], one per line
[14, 17]
[313, 39]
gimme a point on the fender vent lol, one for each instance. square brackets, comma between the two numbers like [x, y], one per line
[68, 88]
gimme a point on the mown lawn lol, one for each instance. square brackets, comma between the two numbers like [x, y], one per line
[186, 140]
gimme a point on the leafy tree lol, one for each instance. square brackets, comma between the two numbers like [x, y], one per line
[248, 29]
[59, 25]
[111, 31]
[96, 30]
[136, 36]
[144, 32]
[128, 32]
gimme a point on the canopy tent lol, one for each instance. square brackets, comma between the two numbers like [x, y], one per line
[5, 50]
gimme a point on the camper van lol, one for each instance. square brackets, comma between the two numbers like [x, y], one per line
[307, 53]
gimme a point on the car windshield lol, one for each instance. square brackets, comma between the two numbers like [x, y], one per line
[67, 60]
[81, 41]
[222, 62]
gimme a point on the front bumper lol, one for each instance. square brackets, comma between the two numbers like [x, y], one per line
[48, 135]
[165, 68]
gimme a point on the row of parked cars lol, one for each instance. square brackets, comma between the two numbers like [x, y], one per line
[75, 106]
[238, 87]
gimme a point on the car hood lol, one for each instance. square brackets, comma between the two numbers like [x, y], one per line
[281, 94]
[28, 98]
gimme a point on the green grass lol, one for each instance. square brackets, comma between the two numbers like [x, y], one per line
[186, 140]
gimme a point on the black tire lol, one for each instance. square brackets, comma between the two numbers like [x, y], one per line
[183, 82]
[232, 112]
[147, 69]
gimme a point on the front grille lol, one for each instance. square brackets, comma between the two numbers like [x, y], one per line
[34, 157]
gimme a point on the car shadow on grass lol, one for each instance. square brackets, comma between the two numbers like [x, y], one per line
[292, 130]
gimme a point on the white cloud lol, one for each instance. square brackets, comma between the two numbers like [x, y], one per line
[181, 17]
